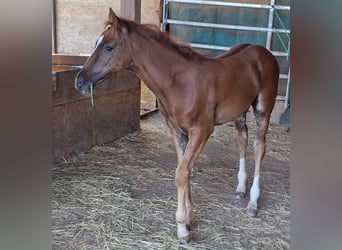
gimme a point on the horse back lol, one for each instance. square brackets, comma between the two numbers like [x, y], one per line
[233, 50]
[262, 66]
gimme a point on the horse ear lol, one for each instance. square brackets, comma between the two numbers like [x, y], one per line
[112, 16]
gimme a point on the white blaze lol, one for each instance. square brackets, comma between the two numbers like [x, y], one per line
[98, 42]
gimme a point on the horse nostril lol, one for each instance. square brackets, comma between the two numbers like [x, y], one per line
[79, 81]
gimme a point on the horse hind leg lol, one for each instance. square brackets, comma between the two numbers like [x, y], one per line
[262, 118]
[242, 139]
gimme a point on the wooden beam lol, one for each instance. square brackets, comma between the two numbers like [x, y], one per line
[131, 9]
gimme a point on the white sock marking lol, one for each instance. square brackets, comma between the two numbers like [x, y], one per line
[242, 176]
[255, 191]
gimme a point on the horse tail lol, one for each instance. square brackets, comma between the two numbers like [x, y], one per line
[268, 69]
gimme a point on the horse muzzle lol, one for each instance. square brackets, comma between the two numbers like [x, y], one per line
[81, 82]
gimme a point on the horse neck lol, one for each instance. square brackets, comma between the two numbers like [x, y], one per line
[154, 62]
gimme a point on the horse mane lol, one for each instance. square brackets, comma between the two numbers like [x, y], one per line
[165, 38]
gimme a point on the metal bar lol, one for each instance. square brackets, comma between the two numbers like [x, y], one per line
[224, 48]
[270, 25]
[231, 4]
[207, 46]
[284, 76]
[225, 26]
[282, 42]
[287, 95]
[281, 22]
[165, 17]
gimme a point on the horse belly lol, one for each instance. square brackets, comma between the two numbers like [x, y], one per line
[223, 115]
[235, 95]
[230, 109]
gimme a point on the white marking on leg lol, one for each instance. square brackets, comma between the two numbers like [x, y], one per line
[255, 191]
[242, 176]
[259, 106]
[181, 216]
[244, 135]
[182, 232]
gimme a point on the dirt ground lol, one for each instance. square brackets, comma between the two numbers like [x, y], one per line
[121, 195]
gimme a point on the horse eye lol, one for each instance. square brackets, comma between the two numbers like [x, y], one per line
[108, 48]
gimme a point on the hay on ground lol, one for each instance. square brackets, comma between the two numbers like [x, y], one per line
[122, 195]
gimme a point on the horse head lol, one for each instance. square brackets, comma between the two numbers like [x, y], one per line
[109, 56]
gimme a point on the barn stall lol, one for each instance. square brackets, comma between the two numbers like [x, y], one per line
[78, 124]
[120, 193]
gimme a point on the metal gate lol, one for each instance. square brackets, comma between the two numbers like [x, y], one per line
[211, 27]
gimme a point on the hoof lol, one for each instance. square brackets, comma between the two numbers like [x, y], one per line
[240, 195]
[183, 233]
[184, 240]
[252, 209]
[252, 212]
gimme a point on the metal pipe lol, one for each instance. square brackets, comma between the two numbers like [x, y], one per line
[287, 95]
[226, 26]
[164, 21]
[231, 4]
[224, 48]
[270, 25]
[283, 76]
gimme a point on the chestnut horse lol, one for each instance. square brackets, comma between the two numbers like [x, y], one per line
[194, 93]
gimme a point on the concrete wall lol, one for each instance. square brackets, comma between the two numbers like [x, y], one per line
[80, 22]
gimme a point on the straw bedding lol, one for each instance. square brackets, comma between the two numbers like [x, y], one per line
[121, 195]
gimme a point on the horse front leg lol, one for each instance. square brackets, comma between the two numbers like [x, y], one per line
[197, 140]
[181, 141]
